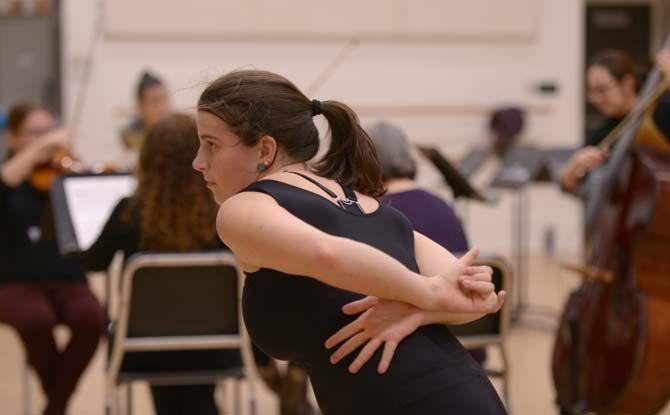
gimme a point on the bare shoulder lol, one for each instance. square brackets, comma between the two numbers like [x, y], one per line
[243, 206]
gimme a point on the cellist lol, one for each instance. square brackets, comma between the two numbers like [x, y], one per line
[612, 88]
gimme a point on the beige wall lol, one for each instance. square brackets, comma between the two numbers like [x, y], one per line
[438, 90]
[370, 19]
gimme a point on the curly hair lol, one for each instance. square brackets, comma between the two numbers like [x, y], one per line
[175, 208]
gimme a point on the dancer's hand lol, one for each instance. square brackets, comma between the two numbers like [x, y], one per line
[387, 322]
[466, 289]
[383, 322]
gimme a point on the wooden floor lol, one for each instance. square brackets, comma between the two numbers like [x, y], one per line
[529, 347]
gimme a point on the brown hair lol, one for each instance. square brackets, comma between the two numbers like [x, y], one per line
[18, 113]
[147, 80]
[257, 103]
[175, 209]
[618, 64]
[16, 116]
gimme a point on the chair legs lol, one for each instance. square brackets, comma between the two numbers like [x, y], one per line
[129, 399]
[252, 396]
[505, 377]
[27, 390]
[114, 403]
[236, 396]
[112, 399]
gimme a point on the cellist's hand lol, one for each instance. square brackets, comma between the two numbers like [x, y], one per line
[583, 161]
[663, 62]
[588, 158]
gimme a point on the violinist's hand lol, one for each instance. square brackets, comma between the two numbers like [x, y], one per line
[663, 62]
[52, 142]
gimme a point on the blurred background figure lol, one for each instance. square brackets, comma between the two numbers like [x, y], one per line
[614, 81]
[505, 125]
[153, 104]
[429, 214]
[170, 211]
[38, 288]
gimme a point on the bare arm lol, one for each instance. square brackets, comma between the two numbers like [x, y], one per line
[433, 259]
[19, 167]
[262, 234]
[387, 323]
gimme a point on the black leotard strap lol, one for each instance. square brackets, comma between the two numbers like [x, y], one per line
[348, 191]
[322, 187]
[349, 204]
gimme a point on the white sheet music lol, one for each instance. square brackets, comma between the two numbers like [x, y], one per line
[91, 200]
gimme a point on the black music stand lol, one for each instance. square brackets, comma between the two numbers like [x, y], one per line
[555, 159]
[81, 205]
[522, 166]
[473, 161]
[459, 184]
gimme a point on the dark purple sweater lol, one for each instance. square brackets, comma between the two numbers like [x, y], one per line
[432, 217]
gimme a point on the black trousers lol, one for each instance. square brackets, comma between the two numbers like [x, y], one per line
[472, 396]
[184, 400]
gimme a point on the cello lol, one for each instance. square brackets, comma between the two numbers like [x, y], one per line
[612, 348]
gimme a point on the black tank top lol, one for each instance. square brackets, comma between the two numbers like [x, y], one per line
[290, 317]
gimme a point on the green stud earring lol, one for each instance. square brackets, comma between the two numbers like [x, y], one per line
[262, 167]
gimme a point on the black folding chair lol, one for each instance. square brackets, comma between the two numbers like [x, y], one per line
[186, 303]
[491, 330]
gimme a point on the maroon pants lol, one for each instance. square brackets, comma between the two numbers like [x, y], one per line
[33, 310]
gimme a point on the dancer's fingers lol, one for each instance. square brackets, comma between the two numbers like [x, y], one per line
[479, 269]
[479, 287]
[365, 355]
[387, 356]
[343, 334]
[467, 259]
[348, 347]
[357, 307]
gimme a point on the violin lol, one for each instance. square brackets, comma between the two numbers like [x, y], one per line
[62, 163]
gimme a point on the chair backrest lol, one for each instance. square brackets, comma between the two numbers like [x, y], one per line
[184, 296]
[179, 301]
[185, 302]
[491, 325]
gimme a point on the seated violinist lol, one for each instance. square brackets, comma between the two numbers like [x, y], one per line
[38, 288]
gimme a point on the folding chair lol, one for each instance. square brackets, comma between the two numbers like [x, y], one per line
[178, 302]
[491, 330]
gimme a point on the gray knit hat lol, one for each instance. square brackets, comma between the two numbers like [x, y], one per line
[393, 150]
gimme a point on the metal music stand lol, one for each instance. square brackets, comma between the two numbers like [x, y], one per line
[522, 166]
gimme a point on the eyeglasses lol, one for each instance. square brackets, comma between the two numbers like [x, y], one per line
[600, 89]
